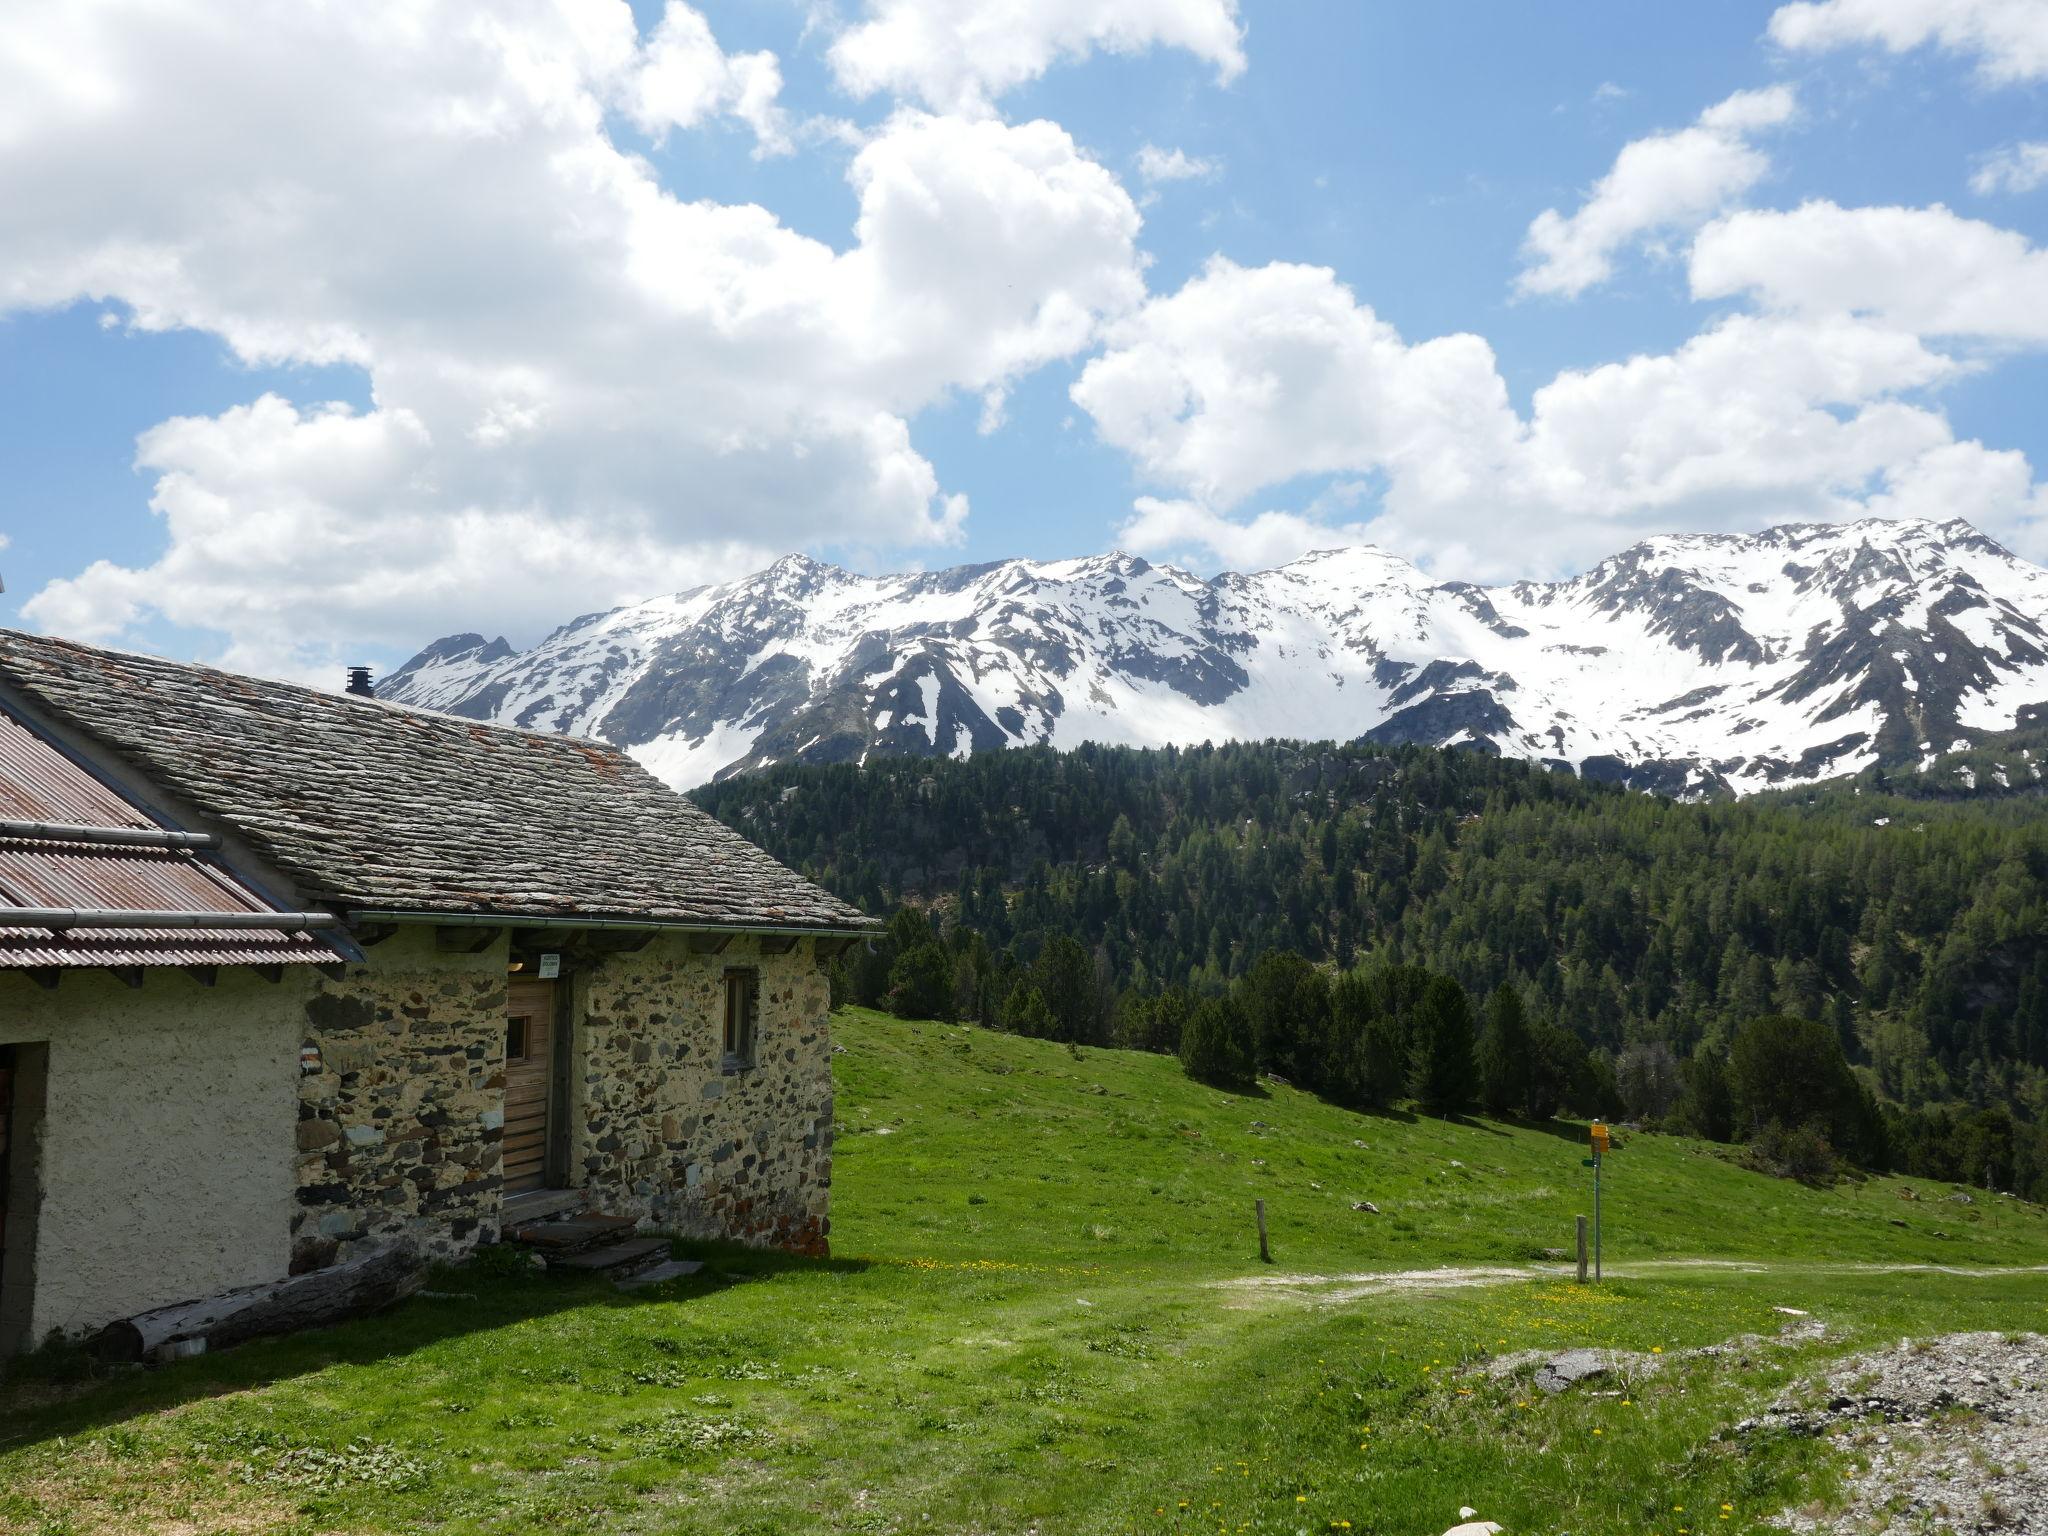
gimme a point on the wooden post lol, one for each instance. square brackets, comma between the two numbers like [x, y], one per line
[1582, 1250]
[1265, 1254]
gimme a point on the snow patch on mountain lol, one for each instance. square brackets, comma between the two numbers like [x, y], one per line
[1690, 664]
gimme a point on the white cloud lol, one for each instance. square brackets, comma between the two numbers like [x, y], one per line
[1168, 528]
[1253, 375]
[1757, 417]
[1157, 165]
[683, 77]
[1923, 270]
[352, 543]
[585, 386]
[2013, 168]
[960, 55]
[1667, 182]
[1250, 377]
[2008, 38]
[1990, 488]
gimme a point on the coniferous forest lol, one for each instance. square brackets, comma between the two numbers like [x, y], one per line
[1855, 970]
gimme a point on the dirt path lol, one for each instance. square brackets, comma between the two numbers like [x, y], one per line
[1335, 1290]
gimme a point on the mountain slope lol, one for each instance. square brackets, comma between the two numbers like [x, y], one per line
[1688, 664]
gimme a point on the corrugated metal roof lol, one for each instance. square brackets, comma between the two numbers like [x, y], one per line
[49, 874]
[39, 783]
[30, 949]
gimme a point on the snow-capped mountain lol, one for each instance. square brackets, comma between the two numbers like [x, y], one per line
[1687, 664]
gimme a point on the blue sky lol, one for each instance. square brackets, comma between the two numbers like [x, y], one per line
[429, 324]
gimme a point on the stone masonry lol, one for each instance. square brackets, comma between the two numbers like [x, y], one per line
[401, 1102]
[401, 1097]
[666, 1133]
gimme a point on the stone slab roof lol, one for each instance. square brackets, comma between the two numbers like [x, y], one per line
[374, 806]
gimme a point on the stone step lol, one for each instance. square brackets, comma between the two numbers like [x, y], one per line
[572, 1234]
[674, 1269]
[614, 1258]
[531, 1205]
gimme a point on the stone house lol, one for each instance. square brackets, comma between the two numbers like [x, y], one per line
[286, 973]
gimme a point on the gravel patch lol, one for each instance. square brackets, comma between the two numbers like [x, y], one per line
[1952, 1435]
[1555, 1371]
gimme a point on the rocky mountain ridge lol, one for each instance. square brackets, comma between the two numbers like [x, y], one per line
[1689, 664]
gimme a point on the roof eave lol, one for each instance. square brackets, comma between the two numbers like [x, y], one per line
[476, 919]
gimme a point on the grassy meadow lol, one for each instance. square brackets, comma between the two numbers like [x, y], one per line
[1046, 1314]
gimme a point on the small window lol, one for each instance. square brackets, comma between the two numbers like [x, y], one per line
[515, 1039]
[741, 990]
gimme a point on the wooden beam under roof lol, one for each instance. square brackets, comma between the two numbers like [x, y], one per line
[456, 939]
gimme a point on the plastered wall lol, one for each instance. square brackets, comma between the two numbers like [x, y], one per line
[162, 1159]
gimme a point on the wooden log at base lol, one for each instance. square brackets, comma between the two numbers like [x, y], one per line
[372, 1279]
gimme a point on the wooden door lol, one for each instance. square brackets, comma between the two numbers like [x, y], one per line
[6, 1140]
[529, 1063]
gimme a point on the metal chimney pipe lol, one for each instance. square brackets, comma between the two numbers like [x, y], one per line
[359, 682]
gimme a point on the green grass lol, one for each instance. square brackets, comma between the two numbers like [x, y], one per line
[1039, 1317]
[1115, 1154]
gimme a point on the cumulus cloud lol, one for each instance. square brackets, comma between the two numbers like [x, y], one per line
[585, 387]
[2013, 168]
[1156, 165]
[1249, 377]
[1660, 184]
[353, 543]
[683, 77]
[2008, 38]
[1923, 270]
[960, 55]
[1173, 528]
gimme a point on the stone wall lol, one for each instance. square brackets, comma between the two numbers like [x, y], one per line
[662, 1131]
[401, 1101]
[401, 1097]
[196, 1139]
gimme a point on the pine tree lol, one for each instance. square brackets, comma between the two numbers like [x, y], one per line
[1908, 926]
[1789, 1072]
[1215, 1043]
[1504, 1064]
[921, 984]
[1065, 978]
[1440, 1072]
[1025, 1013]
[1706, 1108]
[1556, 1072]
[1123, 844]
